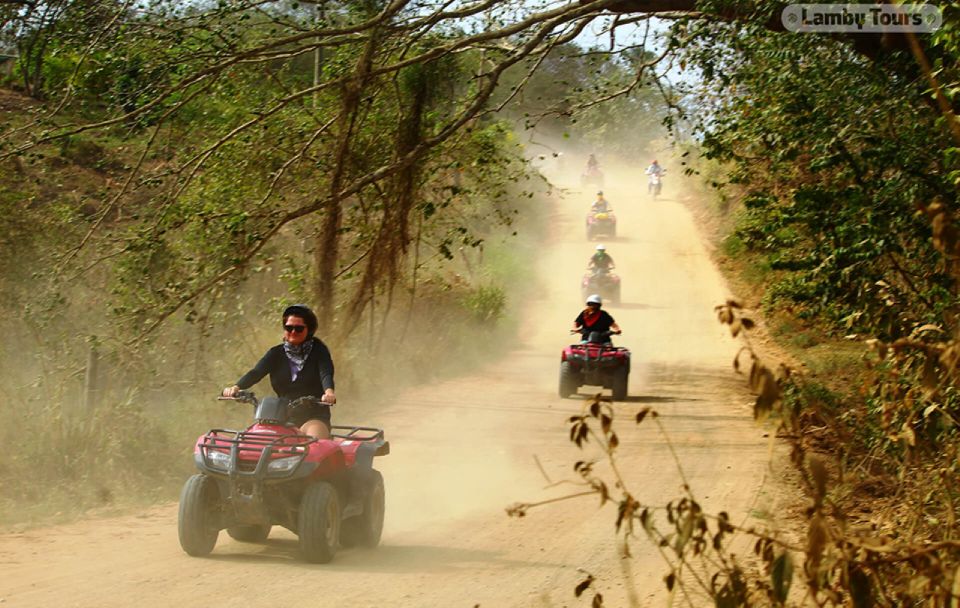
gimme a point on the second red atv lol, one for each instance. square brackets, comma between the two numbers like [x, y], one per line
[325, 491]
[595, 362]
[604, 283]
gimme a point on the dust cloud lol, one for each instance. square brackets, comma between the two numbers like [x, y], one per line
[463, 449]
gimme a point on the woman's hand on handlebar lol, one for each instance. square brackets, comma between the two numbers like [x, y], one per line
[329, 397]
[230, 391]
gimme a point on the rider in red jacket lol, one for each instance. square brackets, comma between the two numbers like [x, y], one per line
[592, 319]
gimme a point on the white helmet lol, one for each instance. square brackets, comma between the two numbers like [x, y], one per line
[595, 299]
[601, 247]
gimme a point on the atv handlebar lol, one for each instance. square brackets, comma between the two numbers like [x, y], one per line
[251, 397]
[243, 396]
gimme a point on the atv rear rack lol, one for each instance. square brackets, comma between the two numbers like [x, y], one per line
[356, 433]
[364, 434]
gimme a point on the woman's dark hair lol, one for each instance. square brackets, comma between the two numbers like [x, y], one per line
[303, 311]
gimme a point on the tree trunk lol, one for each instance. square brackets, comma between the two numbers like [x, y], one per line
[328, 246]
[393, 236]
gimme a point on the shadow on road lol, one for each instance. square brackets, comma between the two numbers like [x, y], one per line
[639, 398]
[385, 558]
[658, 399]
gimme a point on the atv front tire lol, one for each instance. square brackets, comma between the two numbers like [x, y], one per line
[318, 523]
[619, 387]
[365, 529]
[198, 525]
[249, 534]
[569, 383]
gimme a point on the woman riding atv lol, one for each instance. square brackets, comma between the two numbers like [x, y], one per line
[592, 319]
[301, 366]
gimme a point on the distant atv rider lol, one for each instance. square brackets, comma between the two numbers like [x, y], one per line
[301, 366]
[654, 170]
[601, 205]
[601, 262]
[593, 165]
[592, 319]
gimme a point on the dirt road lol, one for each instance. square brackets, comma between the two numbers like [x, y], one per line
[464, 449]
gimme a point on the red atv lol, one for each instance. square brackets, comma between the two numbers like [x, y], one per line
[604, 283]
[601, 223]
[595, 362]
[324, 490]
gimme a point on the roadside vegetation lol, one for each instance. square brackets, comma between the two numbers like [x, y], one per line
[172, 173]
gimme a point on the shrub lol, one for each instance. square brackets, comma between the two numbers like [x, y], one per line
[486, 303]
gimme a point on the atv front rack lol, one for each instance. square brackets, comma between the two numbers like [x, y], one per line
[603, 348]
[595, 355]
[260, 440]
[252, 451]
[267, 445]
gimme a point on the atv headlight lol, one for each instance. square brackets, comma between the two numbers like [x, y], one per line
[283, 465]
[218, 460]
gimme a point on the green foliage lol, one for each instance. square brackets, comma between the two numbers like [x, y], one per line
[833, 169]
[835, 161]
[486, 303]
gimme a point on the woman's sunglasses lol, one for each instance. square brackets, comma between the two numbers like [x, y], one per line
[294, 329]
